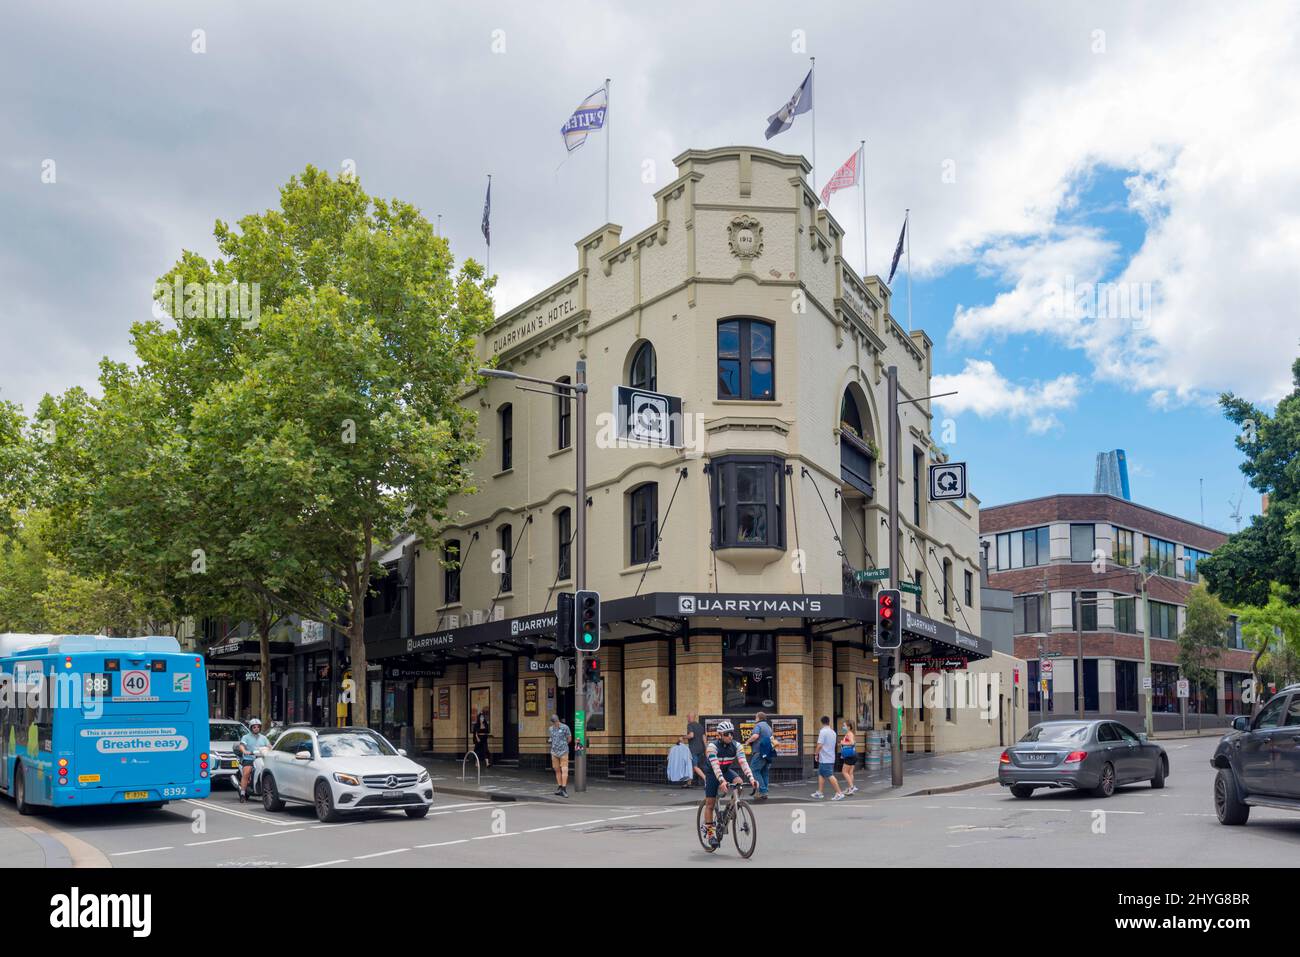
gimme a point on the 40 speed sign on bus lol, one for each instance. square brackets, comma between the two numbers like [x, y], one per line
[136, 685]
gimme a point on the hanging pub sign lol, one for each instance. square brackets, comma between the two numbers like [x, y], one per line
[642, 417]
[948, 481]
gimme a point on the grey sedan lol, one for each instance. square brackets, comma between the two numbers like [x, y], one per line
[1098, 756]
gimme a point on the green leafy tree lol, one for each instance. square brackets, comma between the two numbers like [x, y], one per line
[1202, 640]
[18, 475]
[1272, 631]
[332, 422]
[1242, 570]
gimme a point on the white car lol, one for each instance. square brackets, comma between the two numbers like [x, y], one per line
[337, 770]
[223, 735]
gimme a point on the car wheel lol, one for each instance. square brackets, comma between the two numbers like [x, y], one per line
[1227, 805]
[1106, 784]
[325, 812]
[270, 799]
[1159, 780]
[417, 811]
[1022, 790]
[20, 791]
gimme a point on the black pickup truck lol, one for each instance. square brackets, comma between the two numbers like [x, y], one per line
[1259, 761]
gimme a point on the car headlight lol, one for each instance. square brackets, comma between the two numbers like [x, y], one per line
[348, 779]
[424, 778]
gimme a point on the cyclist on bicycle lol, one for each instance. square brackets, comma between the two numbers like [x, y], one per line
[723, 753]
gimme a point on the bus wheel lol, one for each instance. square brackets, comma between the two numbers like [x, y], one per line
[20, 790]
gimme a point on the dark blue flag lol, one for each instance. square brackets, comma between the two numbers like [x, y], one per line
[487, 214]
[898, 251]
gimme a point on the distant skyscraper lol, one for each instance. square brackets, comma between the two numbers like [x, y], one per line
[1112, 475]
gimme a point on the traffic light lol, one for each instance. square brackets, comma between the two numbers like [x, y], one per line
[587, 637]
[889, 605]
[591, 669]
[564, 622]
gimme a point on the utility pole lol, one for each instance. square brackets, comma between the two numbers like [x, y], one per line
[895, 566]
[1146, 649]
[580, 685]
[575, 391]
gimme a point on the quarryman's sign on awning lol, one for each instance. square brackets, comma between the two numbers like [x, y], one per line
[929, 637]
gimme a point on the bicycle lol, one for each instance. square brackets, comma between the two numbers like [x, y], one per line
[735, 815]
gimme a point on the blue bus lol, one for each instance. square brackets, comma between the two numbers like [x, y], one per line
[88, 720]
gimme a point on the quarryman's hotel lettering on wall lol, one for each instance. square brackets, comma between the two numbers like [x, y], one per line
[530, 326]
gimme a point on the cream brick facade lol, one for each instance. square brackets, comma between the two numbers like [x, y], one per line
[670, 285]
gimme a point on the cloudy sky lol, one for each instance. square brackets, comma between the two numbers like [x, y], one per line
[1044, 148]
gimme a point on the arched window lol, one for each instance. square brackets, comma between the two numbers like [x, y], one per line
[563, 416]
[643, 373]
[506, 415]
[643, 522]
[849, 415]
[746, 354]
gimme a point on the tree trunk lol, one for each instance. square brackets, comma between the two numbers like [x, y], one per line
[357, 650]
[264, 642]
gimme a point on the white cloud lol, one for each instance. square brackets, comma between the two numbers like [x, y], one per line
[984, 391]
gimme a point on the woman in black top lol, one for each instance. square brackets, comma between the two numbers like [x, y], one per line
[481, 732]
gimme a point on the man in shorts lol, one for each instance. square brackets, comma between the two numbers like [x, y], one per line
[560, 736]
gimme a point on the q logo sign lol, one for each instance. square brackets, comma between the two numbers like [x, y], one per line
[135, 683]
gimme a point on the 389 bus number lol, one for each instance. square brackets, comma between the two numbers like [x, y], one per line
[97, 685]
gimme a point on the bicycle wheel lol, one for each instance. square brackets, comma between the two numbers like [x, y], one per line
[745, 830]
[699, 828]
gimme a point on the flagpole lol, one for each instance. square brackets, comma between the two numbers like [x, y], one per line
[488, 238]
[813, 110]
[608, 135]
[907, 226]
[862, 188]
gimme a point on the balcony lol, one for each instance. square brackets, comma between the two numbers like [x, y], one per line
[857, 463]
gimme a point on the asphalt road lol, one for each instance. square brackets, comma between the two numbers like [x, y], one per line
[982, 826]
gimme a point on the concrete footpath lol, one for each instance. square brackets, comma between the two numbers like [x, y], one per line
[922, 774]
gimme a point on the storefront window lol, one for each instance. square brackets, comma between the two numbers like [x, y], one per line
[1126, 686]
[748, 672]
[1164, 689]
[1235, 684]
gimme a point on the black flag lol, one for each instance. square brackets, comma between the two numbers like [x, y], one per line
[487, 213]
[898, 251]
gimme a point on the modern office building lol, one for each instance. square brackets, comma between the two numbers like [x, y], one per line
[734, 567]
[1075, 565]
[1111, 477]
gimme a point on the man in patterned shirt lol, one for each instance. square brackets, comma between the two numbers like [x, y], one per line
[560, 736]
[722, 754]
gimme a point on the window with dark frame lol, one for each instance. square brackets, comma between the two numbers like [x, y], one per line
[748, 499]
[564, 543]
[563, 417]
[643, 531]
[1083, 539]
[643, 373]
[745, 359]
[1126, 686]
[1023, 549]
[1121, 549]
[504, 542]
[506, 415]
[1087, 611]
[451, 571]
[969, 589]
[918, 466]
[1125, 614]
[749, 679]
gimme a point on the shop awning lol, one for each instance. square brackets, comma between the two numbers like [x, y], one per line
[673, 612]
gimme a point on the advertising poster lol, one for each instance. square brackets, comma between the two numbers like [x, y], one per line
[444, 703]
[787, 731]
[530, 698]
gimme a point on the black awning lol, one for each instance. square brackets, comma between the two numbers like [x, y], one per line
[683, 608]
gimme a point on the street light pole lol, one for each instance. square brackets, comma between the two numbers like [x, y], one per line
[580, 684]
[895, 567]
[566, 391]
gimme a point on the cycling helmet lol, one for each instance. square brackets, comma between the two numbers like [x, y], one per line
[254, 722]
[726, 727]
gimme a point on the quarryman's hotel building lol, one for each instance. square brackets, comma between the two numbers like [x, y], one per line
[726, 567]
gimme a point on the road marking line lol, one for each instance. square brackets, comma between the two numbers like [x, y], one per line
[442, 808]
[219, 840]
[260, 818]
[622, 817]
[551, 827]
[316, 827]
[146, 850]
[478, 808]
[341, 860]
[463, 840]
[487, 837]
[599, 820]
[363, 857]
[653, 813]
[275, 833]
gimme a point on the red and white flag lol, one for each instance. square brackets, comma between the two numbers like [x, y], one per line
[845, 176]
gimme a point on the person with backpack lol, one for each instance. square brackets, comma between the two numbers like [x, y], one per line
[764, 749]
